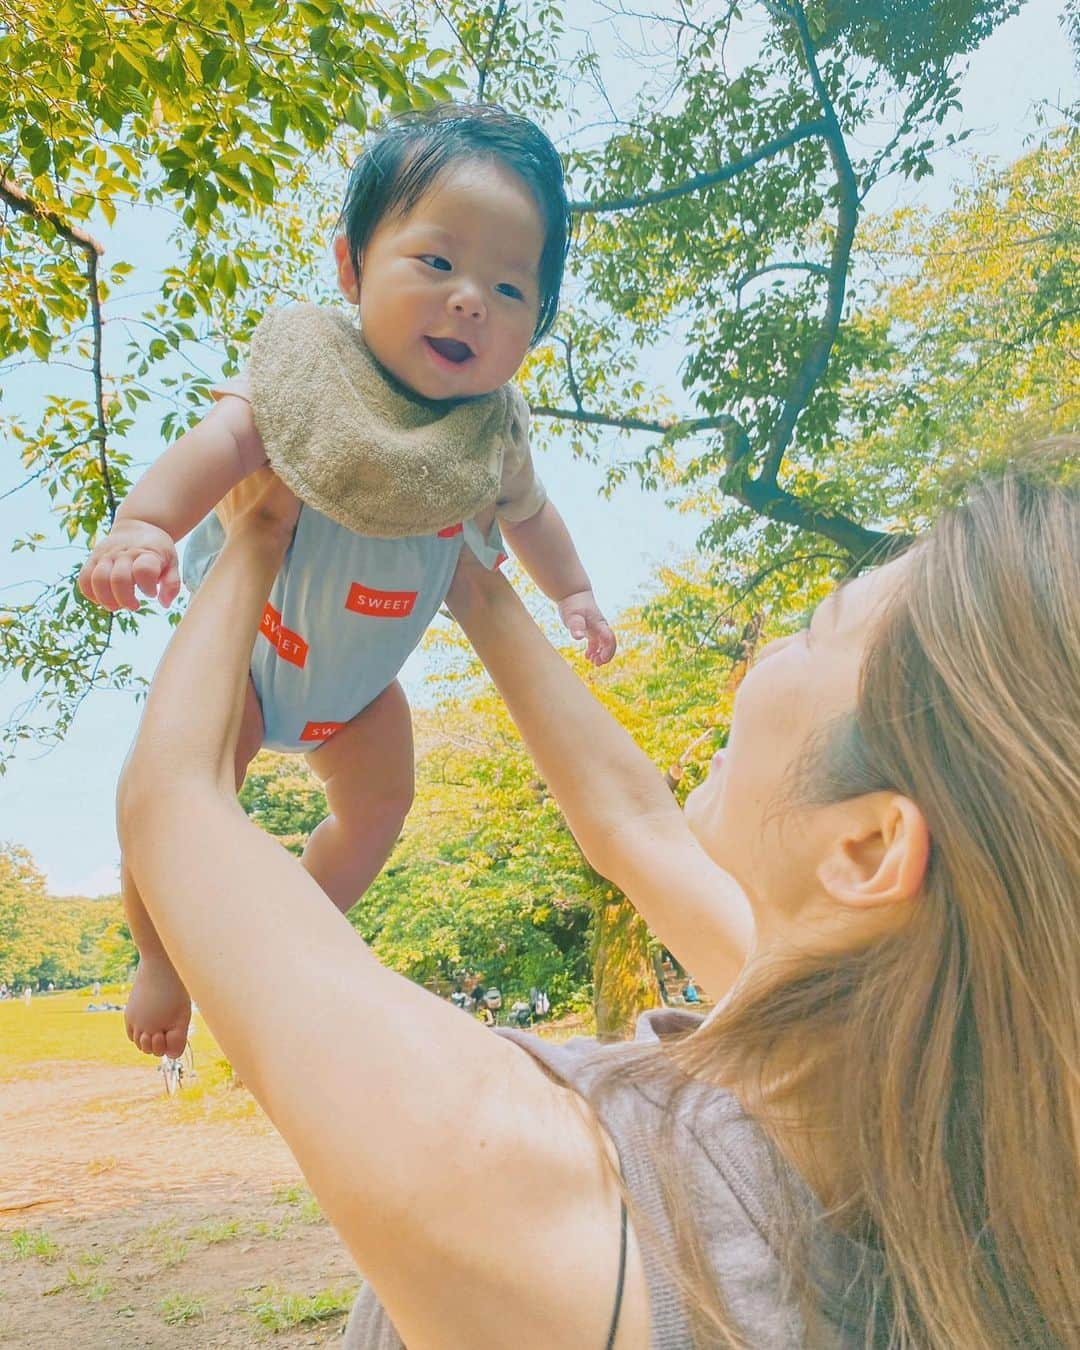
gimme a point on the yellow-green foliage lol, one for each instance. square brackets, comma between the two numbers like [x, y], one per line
[44, 939]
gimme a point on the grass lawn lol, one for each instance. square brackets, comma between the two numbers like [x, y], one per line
[57, 1027]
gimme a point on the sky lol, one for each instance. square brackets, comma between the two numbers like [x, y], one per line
[59, 803]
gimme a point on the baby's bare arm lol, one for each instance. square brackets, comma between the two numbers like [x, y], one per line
[193, 475]
[171, 498]
[543, 545]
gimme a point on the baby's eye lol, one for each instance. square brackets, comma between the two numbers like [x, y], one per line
[504, 288]
[440, 264]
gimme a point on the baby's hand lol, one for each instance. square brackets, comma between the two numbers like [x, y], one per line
[582, 616]
[132, 554]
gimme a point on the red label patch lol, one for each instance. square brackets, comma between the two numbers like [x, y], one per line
[320, 731]
[381, 604]
[450, 531]
[501, 559]
[290, 646]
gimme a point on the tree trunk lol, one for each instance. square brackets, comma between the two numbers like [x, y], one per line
[624, 981]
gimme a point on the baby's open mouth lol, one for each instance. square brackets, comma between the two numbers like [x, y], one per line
[451, 349]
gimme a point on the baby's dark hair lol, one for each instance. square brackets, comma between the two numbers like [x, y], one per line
[406, 155]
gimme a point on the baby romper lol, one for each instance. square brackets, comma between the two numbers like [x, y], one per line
[346, 610]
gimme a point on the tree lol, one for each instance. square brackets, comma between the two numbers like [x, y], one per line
[22, 896]
[731, 222]
[45, 940]
[282, 796]
[722, 207]
[719, 209]
[218, 119]
[985, 314]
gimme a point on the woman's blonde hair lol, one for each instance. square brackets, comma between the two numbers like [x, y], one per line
[942, 1064]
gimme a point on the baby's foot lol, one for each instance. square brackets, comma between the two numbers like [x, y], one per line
[158, 1010]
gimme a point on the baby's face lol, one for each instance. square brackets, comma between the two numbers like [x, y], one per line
[449, 293]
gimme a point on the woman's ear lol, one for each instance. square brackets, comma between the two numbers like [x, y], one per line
[880, 858]
[347, 275]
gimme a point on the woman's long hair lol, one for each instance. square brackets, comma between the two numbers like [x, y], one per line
[938, 1070]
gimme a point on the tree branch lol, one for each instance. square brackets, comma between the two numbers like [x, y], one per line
[804, 132]
[863, 546]
[489, 50]
[817, 358]
[101, 431]
[762, 574]
[93, 250]
[818, 268]
[763, 496]
[19, 201]
[676, 426]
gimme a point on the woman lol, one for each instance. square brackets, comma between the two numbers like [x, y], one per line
[873, 1140]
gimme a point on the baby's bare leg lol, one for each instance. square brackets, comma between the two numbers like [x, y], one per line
[158, 1009]
[366, 771]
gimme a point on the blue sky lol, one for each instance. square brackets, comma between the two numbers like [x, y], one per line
[59, 804]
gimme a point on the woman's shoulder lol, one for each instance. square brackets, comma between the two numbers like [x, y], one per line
[745, 1196]
[636, 1089]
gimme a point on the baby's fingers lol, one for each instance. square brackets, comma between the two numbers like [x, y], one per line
[169, 585]
[146, 572]
[155, 575]
[123, 584]
[601, 644]
[98, 583]
[85, 581]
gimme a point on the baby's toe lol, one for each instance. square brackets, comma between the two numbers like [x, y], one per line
[175, 1039]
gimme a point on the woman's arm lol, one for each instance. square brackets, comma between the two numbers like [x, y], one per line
[427, 1140]
[616, 803]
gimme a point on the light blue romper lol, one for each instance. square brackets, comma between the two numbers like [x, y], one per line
[344, 613]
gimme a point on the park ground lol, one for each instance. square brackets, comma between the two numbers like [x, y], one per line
[129, 1219]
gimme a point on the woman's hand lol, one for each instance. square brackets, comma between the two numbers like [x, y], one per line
[260, 501]
[471, 581]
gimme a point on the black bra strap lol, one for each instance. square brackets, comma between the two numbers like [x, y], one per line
[622, 1278]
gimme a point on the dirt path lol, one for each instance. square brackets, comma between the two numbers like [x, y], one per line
[127, 1221]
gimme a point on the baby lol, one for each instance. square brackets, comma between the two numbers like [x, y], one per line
[405, 443]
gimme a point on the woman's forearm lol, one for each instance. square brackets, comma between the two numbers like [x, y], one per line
[345, 1056]
[209, 669]
[599, 775]
[614, 799]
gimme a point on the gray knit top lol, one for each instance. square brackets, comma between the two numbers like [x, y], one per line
[734, 1178]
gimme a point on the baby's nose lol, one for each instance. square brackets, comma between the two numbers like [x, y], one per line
[468, 304]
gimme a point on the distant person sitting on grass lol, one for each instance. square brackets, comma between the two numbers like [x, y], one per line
[873, 1138]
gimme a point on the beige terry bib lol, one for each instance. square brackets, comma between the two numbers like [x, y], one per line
[349, 441]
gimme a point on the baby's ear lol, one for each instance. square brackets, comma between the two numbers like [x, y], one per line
[348, 280]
